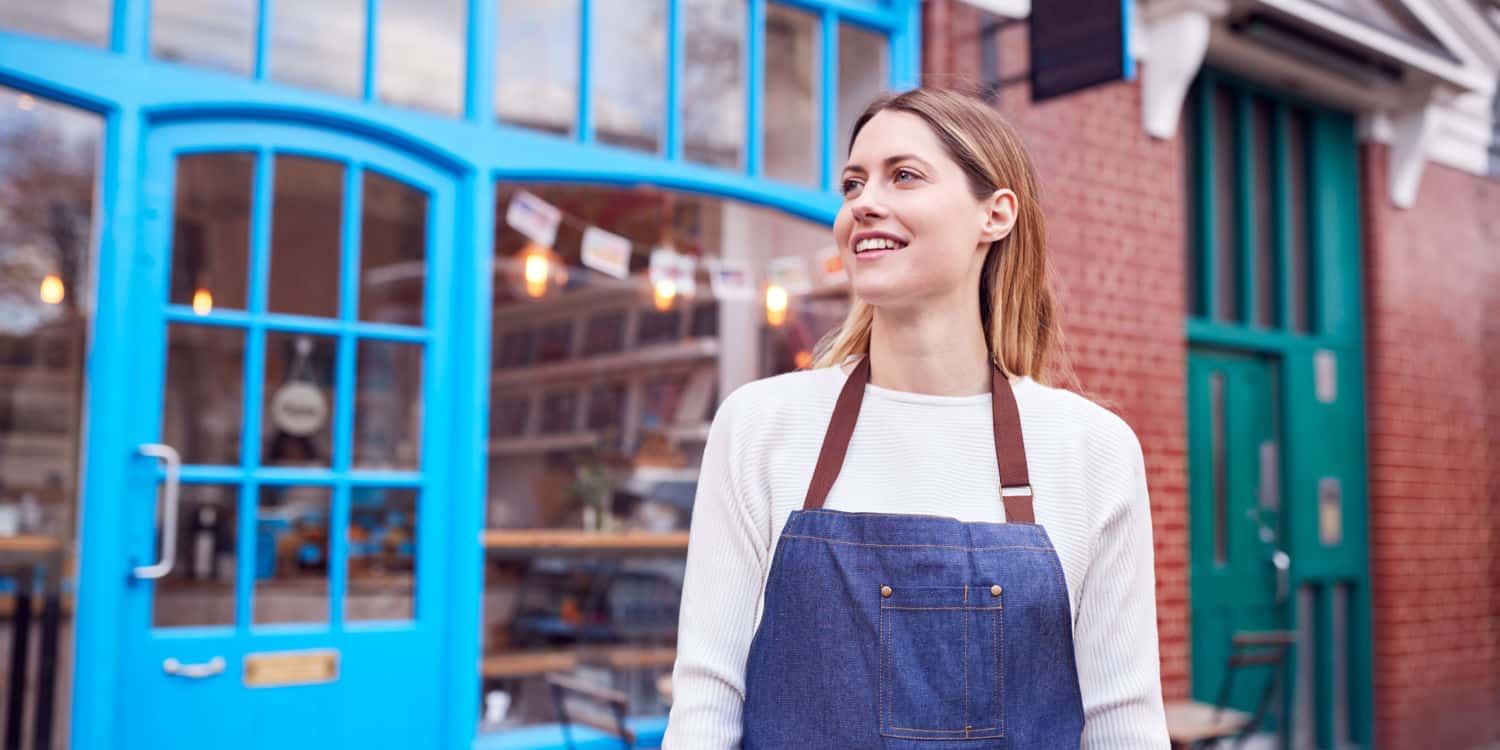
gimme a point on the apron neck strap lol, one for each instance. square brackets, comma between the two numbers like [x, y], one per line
[1010, 449]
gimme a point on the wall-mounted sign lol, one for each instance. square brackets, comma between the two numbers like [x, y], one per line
[291, 668]
[1326, 375]
[1076, 44]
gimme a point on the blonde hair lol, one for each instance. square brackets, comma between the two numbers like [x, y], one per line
[1015, 298]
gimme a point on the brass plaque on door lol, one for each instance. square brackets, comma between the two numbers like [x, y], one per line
[291, 668]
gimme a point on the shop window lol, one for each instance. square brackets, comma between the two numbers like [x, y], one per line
[864, 72]
[291, 575]
[393, 252]
[319, 45]
[201, 411]
[603, 387]
[421, 54]
[713, 82]
[85, 21]
[536, 64]
[217, 34]
[211, 230]
[792, 76]
[306, 236]
[628, 72]
[50, 154]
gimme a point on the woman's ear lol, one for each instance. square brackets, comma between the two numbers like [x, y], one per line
[1000, 215]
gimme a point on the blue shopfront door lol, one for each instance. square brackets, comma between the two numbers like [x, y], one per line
[283, 534]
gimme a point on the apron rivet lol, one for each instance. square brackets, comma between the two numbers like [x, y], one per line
[885, 591]
[995, 590]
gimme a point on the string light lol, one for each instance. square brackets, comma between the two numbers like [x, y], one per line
[203, 301]
[665, 292]
[776, 301]
[25, 102]
[540, 270]
[52, 289]
[804, 358]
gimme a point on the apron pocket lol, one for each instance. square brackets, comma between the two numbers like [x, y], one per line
[942, 658]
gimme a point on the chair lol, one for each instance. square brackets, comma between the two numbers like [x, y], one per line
[579, 702]
[1192, 725]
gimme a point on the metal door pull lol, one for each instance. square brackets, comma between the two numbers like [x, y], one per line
[196, 671]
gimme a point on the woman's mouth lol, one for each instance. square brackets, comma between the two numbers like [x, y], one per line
[871, 248]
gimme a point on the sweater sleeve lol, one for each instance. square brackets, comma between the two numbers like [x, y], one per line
[1115, 635]
[726, 561]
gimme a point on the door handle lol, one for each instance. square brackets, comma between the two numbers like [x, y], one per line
[194, 671]
[1283, 563]
[173, 462]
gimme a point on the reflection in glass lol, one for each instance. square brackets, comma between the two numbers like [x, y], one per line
[320, 45]
[297, 418]
[1226, 248]
[628, 72]
[393, 251]
[536, 64]
[201, 402]
[291, 555]
[211, 230]
[49, 157]
[306, 215]
[84, 21]
[382, 554]
[791, 108]
[863, 73]
[200, 588]
[217, 34]
[388, 406]
[420, 60]
[713, 82]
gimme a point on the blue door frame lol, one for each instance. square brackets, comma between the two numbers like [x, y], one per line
[141, 97]
[388, 669]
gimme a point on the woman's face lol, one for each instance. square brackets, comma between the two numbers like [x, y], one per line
[910, 231]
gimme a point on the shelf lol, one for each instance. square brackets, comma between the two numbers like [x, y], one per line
[30, 543]
[523, 663]
[522, 446]
[568, 540]
[687, 350]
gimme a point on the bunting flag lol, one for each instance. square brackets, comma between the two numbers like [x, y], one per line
[533, 217]
[606, 252]
[730, 279]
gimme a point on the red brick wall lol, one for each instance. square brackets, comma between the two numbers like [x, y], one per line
[1118, 265]
[1433, 346]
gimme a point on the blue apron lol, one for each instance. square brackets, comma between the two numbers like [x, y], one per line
[909, 632]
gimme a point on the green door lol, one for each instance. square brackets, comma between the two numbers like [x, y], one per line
[1238, 569]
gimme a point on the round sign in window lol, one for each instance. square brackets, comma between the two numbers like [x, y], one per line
[299, 409]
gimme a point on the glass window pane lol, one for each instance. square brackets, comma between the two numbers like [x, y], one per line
[864, 72]
[422, 53]
[211, 230]
[393, 251]
[713, 82]
[307, 213]
[320, 45]
[536, 64]
[1190, 160]
[298, 415]
[84, 21]
[201, 404]
[1216, 420]
[388, 406]
[50, 154]
[629, 72]
[1300, 285]
[1265, 220]
[791, 106]
[216, 34]
[382, 554]
[1226, 202]
[291, 555]
[200, 588]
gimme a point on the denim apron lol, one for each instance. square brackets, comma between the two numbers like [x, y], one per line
[914, 632]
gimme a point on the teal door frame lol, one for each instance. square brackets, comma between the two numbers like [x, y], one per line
[1321, 364]
[401, 665]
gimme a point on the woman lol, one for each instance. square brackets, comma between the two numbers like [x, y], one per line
[920, 594]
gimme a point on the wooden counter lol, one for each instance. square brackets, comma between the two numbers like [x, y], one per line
[585, 542]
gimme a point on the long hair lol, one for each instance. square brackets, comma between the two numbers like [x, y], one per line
[1015, 299]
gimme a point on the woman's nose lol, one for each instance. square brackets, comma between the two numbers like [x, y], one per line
[867, 205]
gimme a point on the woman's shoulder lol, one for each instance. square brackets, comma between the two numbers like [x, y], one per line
[1083, 421]
[787, 393]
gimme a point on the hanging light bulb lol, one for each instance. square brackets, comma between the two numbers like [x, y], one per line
[535, 269]
[52, 289]
[203, 301]
[803, 359]
[25, 102]
[540, 270]
[666, 291]
[776, 300]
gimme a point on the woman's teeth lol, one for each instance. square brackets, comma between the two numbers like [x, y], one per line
[877, 243]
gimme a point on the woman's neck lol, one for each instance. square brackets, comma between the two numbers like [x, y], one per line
[929, 353]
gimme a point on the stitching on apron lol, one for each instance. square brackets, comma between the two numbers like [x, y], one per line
[915, 546]
[966, 661]
[995, 657]
[939, 609]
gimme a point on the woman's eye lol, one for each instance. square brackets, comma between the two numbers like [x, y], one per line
[850, 186]
[905, 175]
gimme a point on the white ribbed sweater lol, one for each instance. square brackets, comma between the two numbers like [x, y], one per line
[921, 454]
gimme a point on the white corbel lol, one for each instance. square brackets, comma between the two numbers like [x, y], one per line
[1413, 126]
[1175, 40]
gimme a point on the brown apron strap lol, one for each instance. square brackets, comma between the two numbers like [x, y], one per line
[1010, 449]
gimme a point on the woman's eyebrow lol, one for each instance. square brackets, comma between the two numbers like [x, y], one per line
[890, 161]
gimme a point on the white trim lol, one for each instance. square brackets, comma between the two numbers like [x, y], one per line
[1175, 36]
[1011, 8]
